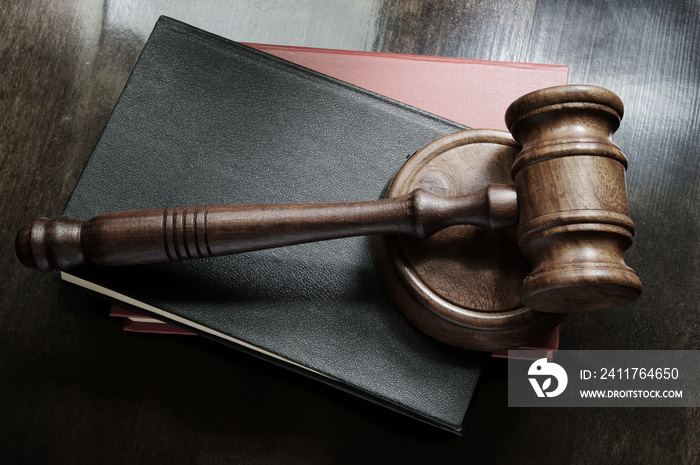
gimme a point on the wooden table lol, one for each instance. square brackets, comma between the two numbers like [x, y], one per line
[75, 389]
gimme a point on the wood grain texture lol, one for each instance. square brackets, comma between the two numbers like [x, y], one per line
[462, 285]
[77, 390]
[574, 221]
[169, 234]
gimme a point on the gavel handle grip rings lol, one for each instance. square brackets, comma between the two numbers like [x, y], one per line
[171, 234]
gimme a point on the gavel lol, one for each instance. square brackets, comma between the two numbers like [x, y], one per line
[566, 203]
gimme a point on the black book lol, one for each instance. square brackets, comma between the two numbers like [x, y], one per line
[203, 120]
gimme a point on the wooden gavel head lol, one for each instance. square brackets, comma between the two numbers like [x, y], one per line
[444, 245]
[468, 286]
[574, 220]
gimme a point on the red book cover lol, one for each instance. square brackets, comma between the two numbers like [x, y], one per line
[474, 93]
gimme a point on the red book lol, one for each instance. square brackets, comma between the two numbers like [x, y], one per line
[474, 93]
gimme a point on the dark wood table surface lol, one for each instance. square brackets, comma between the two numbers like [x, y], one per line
[75, 389]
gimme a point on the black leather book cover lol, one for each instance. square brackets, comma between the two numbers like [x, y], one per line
[203, 120]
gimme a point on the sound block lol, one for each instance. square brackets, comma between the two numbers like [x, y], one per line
[462, 285]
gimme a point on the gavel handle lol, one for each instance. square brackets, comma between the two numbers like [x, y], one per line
[169, 234]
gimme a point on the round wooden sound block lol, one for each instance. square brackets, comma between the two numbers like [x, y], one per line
[462, 285]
